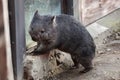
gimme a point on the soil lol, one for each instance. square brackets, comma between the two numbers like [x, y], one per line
[106, 63]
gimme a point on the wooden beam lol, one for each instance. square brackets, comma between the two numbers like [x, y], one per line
[77, 5]
[3, 61]
[9, 74]
[67, 7]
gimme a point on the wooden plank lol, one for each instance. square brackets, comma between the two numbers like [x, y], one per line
[67, 7]
[77, 9]
[95, 9]
[8, 54]
[88, 11]
[3, 64]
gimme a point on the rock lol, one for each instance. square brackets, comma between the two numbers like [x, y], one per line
[108, 49]
[101, 52]
[117, 37]
[44, 67]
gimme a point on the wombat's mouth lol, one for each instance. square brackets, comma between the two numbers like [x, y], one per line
[47, 41]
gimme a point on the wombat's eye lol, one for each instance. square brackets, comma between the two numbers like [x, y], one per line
[31, 28]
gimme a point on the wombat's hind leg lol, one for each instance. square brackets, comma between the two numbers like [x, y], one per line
[76, 63]
[87, 64]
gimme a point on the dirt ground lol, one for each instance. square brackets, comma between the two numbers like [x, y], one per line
[106, 63]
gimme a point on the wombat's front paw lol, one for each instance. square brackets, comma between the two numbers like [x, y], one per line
[34, 52]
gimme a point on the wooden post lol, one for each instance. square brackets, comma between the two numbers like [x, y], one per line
[3, 65]
[77, 9]
[8, 54]
[67, 7]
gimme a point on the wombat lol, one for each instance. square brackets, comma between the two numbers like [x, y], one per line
[65, 33]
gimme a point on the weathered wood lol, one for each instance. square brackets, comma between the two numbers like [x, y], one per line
[95, 9]
[3, 66]
[77, 9]
[91, 10]
[67, 7]
[10, 75]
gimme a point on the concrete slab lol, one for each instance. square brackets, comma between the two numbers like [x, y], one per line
[96, 29]
[105, 26]
[111, 21]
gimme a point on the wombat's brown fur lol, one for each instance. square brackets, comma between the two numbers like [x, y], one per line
[64, 33]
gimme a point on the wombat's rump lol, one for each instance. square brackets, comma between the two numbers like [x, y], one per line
[64, 33]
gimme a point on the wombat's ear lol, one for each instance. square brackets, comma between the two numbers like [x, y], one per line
[53, 20]
[36, 13]
[35, 16]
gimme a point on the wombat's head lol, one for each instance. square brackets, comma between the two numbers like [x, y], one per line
[42, 28]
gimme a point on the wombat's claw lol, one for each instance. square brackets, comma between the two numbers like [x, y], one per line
[74, 67]
[29, 53]
[34, 53]
[86, 70]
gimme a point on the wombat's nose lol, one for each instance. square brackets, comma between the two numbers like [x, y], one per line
[42, 31]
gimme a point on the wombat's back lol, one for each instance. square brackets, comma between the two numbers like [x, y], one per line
[72, 34]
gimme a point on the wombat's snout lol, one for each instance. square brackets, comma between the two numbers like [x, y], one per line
[34, 39]
[33, 34]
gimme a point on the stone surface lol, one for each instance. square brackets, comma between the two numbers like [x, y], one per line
[42, 67]
[94, 31]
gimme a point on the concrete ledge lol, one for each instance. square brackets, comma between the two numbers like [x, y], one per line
[96, 29]
[105, 26]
